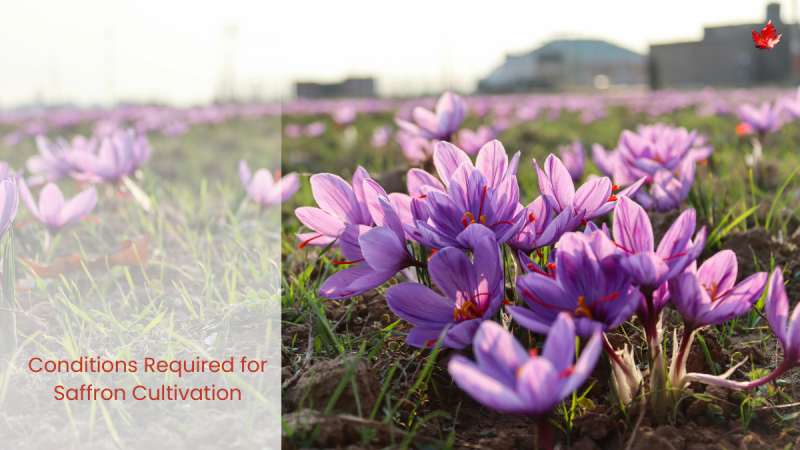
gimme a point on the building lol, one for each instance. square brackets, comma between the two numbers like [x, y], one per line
[351, 87]
[567, 63]
[727, 55]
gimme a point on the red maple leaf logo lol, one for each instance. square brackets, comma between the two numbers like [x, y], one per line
[767, 38]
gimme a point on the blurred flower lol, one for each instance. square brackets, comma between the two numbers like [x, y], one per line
[293, 130]
[450, 112]
[381, 136]
[175, 128]
[345, 115]
[316, 129]
[763, 120]
[415, 148]
[122, 153]
[472, 141]
[53, 211]
[266, 190]
[669, 190]
[574, 159]
[9, 199]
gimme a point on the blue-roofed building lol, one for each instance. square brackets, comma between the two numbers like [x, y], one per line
[567, 63]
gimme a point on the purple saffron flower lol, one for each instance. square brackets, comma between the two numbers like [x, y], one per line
[763, 120]
[574, 159]
[473, 292]
[345, 115]
[485, 196]
[266, 190]
[450, 112]
[593, 197]
[53, 211]
[642, 154]
[415, 148]
[633, 233]
[492, 161]
[776, 307]
[9, 200]
[52, 162]
[120, 154]
[316, 129]
[506, 378]
[472, 141]
[293, 130]
[381, 136]
[379, 253]
[669, 190]
[709, 297]
[541, 229]
[587, 282]
[340, 206]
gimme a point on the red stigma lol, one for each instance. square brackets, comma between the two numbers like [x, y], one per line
[539, 302]
[345, 295]
[613, 198]
[675, 256]
[583, 221]
[483, 197]
[423, 196]
[429, 343]
[304, 243]
[566, 372]
[530, 216]
[506, 302]
[615, 187]
[498, 223]
[623, 248]
[339, 263]
[429, 257]
[533, 352]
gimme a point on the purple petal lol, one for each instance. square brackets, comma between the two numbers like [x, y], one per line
[498, 353]
[415, 303]
[492, 161]
[484, 388]
[447, 158]
[632, 229]
[336, 197]
[78, 207]
[319, 220]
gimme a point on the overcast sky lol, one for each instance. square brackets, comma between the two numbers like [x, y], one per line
[93, 51]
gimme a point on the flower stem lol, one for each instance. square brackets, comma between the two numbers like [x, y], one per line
[543, 425]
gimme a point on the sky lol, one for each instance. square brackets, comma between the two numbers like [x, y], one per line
[90, 52]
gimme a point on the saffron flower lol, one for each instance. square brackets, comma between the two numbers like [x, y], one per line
[345, 115]
[541, 229]
[633, 234]
[52, 162]
[593, 197]
[120, 154]
[450, 112]
[707, 296]
[266, 190]
[587, 282]
[380, 136]
[651, 149]
[485, 196]
[762, 120]
[376, 253]
[315, 129]
[472, 141]
[574, 159]
[786, 329]
[53, 211]
[473, 292]
[415, 148]
[507, 378]
[669, 190]
[340, 206]
[9, 200]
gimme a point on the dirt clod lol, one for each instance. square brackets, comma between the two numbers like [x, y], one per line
[319, 381]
